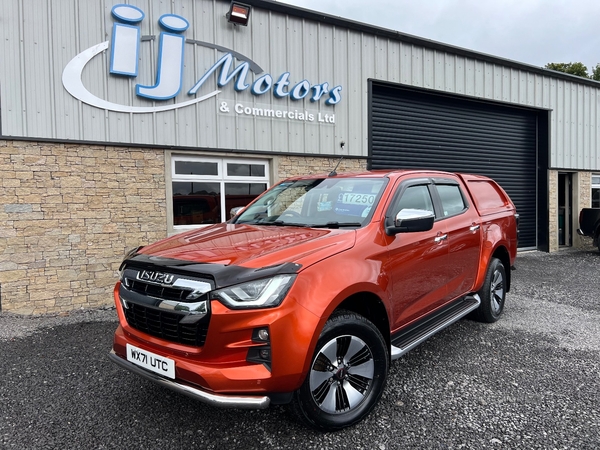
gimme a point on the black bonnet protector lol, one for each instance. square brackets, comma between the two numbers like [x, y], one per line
[223, 275]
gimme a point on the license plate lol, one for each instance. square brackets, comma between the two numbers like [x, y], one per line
[151, 361]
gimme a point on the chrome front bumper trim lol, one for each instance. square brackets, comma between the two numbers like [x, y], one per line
[219, 400]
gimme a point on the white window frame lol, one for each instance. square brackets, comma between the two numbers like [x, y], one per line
[222, 178]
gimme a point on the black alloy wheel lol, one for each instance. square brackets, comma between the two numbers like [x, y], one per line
[347, 374]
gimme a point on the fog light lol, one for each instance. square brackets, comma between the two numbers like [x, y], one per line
[263, 334]
[260, 335]
[260, 355]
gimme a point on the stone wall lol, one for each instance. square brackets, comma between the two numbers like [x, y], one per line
[582, 198]
[289, 166]
[68, 213]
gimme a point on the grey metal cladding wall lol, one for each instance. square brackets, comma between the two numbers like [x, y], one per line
[413, 129]
[39, 38]
[575, 127]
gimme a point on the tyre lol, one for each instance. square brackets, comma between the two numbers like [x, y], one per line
[493, 293]
[347, 374]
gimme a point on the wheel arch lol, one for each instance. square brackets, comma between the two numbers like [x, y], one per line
[502, 254]
[364, 303]
[371, 308]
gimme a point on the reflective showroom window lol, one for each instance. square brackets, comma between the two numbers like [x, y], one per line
[205, 189]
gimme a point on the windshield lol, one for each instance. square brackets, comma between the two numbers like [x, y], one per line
[323, 202]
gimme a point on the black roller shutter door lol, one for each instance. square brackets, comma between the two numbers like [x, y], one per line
[415, 129]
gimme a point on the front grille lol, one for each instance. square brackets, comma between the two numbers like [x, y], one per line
[168, 306]
[166, 325]
[156, 291]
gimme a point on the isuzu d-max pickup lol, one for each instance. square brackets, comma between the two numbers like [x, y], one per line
[307, 294]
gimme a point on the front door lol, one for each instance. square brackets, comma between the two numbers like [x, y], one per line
[414, 258]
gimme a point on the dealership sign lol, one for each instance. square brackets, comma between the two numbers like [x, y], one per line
[124, 57]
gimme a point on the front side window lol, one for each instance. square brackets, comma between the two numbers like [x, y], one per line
[205, 189]
[596, 191]
[415, 197]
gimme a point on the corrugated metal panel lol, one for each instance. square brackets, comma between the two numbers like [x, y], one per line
[35, 104]
[343, 128]
[295, 62]
[278, 63]
[315, 135]
[37, 69]
[67, 111]
[312, 41]
[11, 71]
[413, 129]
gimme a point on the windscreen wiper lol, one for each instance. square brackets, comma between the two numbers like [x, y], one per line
[337, 225]
[281, 223]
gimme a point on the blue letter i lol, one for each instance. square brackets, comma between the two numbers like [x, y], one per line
[125, 44]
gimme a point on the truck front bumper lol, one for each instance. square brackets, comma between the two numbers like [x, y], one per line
[219, 400]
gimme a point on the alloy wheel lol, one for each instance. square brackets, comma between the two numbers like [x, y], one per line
[342, 374]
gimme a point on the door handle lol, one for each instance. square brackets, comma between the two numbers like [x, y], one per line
[441, 238]
[475, 227]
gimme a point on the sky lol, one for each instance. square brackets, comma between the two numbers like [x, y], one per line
[534, 32]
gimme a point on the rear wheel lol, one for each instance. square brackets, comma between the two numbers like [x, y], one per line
[347, 374]
[493, 293]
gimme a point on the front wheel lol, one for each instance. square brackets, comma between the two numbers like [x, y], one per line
[493, 293]
[347, 374]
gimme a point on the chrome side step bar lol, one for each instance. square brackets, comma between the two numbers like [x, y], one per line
[406, 340]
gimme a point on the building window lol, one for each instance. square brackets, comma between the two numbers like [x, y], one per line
[205, 189]
[596, 191]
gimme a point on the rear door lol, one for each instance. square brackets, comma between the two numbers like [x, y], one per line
[463, 228]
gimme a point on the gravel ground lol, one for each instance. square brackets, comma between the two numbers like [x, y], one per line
[529, 381]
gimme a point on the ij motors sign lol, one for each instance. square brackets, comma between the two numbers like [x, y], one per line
[245, 75]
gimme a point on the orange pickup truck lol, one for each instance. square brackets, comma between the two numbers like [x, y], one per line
[308, 293]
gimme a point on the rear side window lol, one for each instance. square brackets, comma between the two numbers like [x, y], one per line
[487, 195]
[452, 199]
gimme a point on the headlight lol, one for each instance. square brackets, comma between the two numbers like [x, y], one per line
[264, 293]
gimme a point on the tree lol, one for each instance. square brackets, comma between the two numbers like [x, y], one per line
[596, 73]
[575, 68]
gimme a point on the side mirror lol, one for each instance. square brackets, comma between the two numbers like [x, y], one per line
[235, 211]
[411, 221]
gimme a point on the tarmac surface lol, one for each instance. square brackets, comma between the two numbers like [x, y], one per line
[529, 381]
